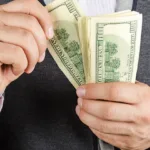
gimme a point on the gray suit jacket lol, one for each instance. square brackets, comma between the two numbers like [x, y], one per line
[28, 124]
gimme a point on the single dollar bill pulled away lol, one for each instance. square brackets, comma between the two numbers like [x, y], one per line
[65, 46]
[110, 46]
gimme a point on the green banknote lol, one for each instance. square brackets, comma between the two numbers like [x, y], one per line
[103, 48]
[65, 46]
[111, 46]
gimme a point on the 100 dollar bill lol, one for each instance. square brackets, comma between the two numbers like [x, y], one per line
[65, 46]
[111, 47]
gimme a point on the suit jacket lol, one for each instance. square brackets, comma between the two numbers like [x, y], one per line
[39, 109]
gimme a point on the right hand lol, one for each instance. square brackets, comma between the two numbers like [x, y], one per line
[25, 26]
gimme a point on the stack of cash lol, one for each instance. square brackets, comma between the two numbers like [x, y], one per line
[103, 48]
[110, 46]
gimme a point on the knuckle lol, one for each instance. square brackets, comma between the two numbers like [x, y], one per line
[32, 63]
[141, 133]
[28, 5]
[17, 50]
[1, 79]
[24, 63]
[34, 24]
[45, 45]
[110, 112]
[21, 60]
[21, 67]
[114, 92]
[82, 116]
[2, 26]
[103, 127]
[133, 146]
[24, 66]
[143, 118]
[1, 18]
[85, 105]
[32, 21]
[27, 36]
[129, 144]
[30, 44]
[20, 55]
[121, 145]
[2, 9]
[43, 48]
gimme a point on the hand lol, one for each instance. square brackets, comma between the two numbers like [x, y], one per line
[118, 113]
[25, 26]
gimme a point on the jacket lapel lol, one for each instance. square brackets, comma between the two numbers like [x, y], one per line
[134, 4]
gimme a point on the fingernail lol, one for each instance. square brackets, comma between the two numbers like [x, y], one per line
[31, 70]
[80, 102]
[78, 110]
[42, 57]
[50, 32]
[81, 92]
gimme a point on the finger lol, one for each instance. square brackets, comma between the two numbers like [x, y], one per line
[118, 92]
[13, 55]
[29, 23]
[23, 39]
[109, 110]
[34, 8]
[110, 127]
[122, 142]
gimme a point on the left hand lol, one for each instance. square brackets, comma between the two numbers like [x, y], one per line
[117, 113]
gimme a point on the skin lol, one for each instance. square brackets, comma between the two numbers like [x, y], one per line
[25, 27]
[118, 113]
